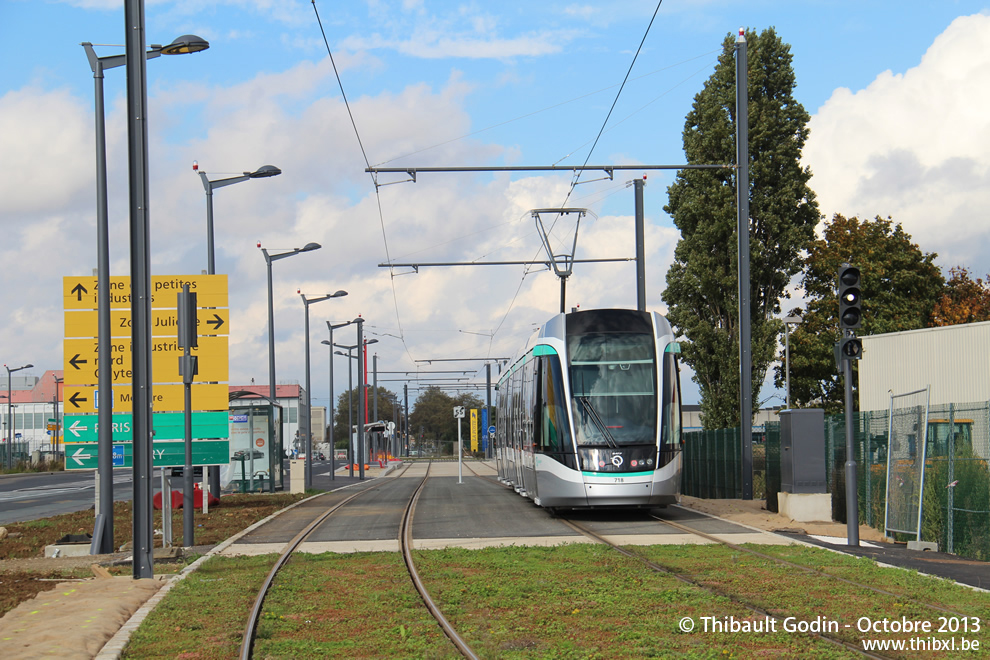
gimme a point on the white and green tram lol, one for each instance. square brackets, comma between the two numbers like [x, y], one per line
[589, 415]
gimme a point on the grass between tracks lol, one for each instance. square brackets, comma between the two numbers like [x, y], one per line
[573, 601]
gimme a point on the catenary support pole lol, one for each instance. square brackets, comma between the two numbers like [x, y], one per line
[640, 245]
[362, 398]
[742, 234]
[137, 139]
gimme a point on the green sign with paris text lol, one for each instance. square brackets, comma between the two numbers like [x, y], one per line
[167, 426]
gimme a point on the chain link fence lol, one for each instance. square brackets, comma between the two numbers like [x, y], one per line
[956, 493]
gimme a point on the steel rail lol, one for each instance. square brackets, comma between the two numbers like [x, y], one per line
[406, 541]
[800, 567]
[584, 531]
[714, 590]
[247, 639]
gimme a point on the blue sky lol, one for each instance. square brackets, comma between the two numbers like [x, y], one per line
[899, 128]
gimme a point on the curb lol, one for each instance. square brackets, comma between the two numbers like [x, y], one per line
[114, 647]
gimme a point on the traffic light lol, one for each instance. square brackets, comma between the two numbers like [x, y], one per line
[850, 312]
[851, 348]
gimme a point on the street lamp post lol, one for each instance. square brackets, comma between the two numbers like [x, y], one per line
[308, 417]
[10, 415]
[329, 344]
[350, 403]
[262, 172]
[362, 412]
[269, 258]
[185, 44]
[58, 381]
[788, 322]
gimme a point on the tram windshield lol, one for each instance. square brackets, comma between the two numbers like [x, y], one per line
[613, 386]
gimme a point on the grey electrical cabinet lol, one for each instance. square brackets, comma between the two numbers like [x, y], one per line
[802, 451]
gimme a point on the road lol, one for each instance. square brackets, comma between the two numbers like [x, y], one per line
[34, 495]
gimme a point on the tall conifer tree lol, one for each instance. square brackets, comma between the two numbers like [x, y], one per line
[702, 291]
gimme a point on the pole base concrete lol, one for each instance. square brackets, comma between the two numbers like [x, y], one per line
[297, 476]
[805, 507]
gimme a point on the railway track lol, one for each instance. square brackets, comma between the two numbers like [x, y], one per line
[405, 544]
[742, 602]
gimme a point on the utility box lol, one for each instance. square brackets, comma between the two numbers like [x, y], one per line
[802, 451]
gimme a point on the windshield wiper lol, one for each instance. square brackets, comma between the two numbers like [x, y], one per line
[596, 418]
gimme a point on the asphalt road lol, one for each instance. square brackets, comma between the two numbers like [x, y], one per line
[38, 495]
[35, 495]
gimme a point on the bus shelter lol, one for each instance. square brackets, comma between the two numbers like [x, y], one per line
[256, 443]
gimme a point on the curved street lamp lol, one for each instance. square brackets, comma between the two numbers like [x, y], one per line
[10, 416]
[187, 43]
[269, 258]
[308, 417]
[263, 172]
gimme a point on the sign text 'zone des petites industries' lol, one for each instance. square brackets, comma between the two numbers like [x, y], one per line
[81, 292]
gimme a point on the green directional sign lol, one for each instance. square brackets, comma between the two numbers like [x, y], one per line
[168, 453]
[167, 426]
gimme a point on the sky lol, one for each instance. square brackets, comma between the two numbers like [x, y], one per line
[896, 93]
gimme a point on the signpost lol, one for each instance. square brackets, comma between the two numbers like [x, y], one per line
[208, 319]
[82, 358]
[166, 453]
[164, 397]
[163, 322]
[167, 425]
[459, 415]
[474, 429]
[81, 292]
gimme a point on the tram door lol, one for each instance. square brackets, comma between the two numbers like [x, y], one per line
[518, 428]
[529, 430]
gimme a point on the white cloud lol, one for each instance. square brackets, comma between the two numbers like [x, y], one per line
[916, 146]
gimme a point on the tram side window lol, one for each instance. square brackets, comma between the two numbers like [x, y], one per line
[671, 402]
[554, 437]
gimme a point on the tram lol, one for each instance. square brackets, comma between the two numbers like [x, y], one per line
[589, 415]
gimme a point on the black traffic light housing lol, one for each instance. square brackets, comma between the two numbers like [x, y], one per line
[851, 348]
[850, 310]
[848, 348]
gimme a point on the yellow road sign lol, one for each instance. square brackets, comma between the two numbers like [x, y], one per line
[165, 398]
[81, 360]
[164, 323]
[210, 290]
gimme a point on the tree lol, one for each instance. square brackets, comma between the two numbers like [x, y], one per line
[899, 288]
[963, 300]
[344, 402]
[433, 415]
[702, 291]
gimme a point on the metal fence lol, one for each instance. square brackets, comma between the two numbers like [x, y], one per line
[712, 464]
[956, 496]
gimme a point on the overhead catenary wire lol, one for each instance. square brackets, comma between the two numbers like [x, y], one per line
[552, 107]
[578, 172]
[374, 178]
[377, 184]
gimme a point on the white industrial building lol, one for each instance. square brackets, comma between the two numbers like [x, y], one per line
[953, 360]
